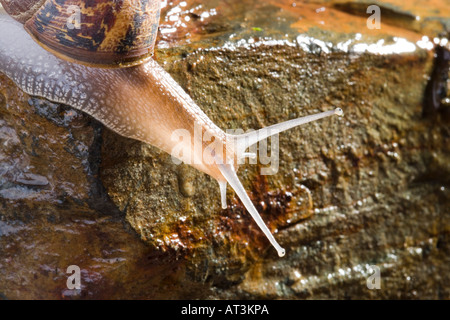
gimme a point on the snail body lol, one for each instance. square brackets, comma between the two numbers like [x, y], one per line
[142, 102]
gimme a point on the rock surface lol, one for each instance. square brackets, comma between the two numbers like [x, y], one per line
[371, 188]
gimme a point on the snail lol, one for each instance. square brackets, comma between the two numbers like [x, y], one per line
[103, 67]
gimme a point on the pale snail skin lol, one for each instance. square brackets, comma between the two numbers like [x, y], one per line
[141, 102]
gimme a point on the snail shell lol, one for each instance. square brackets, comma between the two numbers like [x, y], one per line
[102, 33]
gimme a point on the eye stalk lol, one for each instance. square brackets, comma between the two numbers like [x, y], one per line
[245, 141]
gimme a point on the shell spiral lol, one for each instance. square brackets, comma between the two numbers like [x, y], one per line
[100, 33]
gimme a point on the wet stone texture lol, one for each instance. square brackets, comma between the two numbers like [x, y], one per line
[368, 189]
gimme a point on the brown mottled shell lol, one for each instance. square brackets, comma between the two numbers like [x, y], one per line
[109, 33]
[21, 10]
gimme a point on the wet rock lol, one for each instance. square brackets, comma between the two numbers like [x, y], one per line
[54, 213]
[431, 19]
[437, 92]
[368, 189]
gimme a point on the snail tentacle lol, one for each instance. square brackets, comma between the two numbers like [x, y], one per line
[223, 193]
[242, 142]
[229, 173]
[246, 140]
